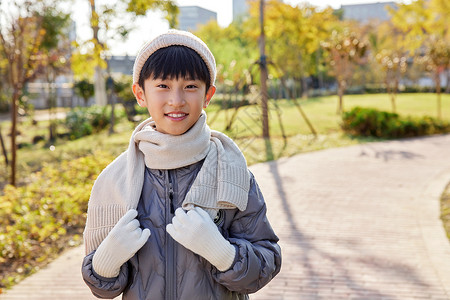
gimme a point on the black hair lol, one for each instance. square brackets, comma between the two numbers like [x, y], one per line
[175, 62]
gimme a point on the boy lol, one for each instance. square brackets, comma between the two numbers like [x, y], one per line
[178, 215]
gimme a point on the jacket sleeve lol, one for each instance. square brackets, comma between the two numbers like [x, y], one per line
[258, 256]
[101, 287]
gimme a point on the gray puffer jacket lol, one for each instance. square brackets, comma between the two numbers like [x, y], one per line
[164, 269]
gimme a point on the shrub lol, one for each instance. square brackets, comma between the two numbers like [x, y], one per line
[374, 123]
[84, 121]
[38, 220]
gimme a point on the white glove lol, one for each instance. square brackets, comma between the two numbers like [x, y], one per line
[197, 232]
[122, 242]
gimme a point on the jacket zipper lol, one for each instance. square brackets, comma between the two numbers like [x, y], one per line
[172, 205]
[170, 246]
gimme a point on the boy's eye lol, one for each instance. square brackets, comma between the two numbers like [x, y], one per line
[191, 86]
[163, 86]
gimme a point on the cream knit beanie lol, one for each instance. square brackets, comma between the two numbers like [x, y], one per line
[171, 38]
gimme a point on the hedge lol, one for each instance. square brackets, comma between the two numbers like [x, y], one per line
[84, 121]
[374, 123]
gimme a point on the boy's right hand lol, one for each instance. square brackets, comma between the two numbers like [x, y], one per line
[122, 242]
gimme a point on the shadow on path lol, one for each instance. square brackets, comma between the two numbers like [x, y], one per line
[342, 274]
[389, 155]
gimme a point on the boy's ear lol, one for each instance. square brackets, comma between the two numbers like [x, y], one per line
[139, 94]
[209, 94]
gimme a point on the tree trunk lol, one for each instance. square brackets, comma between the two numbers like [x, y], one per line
[52, 125]
[305, 91]
[99, 87]
[394, 109]
[99, 80]
[394, 95]
[51, 105]
[5, 155]
[447, 88]
[113, 104]
[263, 65]
[389, 91]
[438, 92]
[15, 100]
[341, 88]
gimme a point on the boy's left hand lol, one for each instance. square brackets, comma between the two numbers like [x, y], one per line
[197, 232]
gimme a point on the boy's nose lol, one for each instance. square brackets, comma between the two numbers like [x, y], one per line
[177, 99]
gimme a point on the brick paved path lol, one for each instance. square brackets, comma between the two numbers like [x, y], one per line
[360, 222]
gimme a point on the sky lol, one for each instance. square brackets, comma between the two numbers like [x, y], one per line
[153, 23]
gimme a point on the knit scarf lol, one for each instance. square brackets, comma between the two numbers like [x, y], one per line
[223, 181]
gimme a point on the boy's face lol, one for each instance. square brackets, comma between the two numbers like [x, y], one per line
[174, 104]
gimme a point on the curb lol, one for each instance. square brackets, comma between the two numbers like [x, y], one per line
[433, 232]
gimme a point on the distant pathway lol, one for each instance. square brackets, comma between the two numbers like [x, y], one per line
[359, 222]
[39, 115]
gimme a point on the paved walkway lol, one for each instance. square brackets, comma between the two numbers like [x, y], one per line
[360, 222]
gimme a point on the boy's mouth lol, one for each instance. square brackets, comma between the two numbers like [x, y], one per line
[177, 115]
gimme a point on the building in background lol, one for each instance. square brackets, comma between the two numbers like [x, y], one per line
[121, 65]
[192, 16]
[369, 11]
[240, 9]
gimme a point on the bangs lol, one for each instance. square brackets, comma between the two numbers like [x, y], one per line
[175, 62]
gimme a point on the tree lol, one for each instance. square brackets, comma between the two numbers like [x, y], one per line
[442, 8]
[424, 25]
[233, 50]
[235, 54]
[264, 76]
[390, 53]
[345, 50]
[412, 20]
[394, 65]
[55, 50]
[81, 64]
[21, 36]
[84, 89]
[100, 21]
[99, 48]
[436, 60]
[293, 39]
[437, 54]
